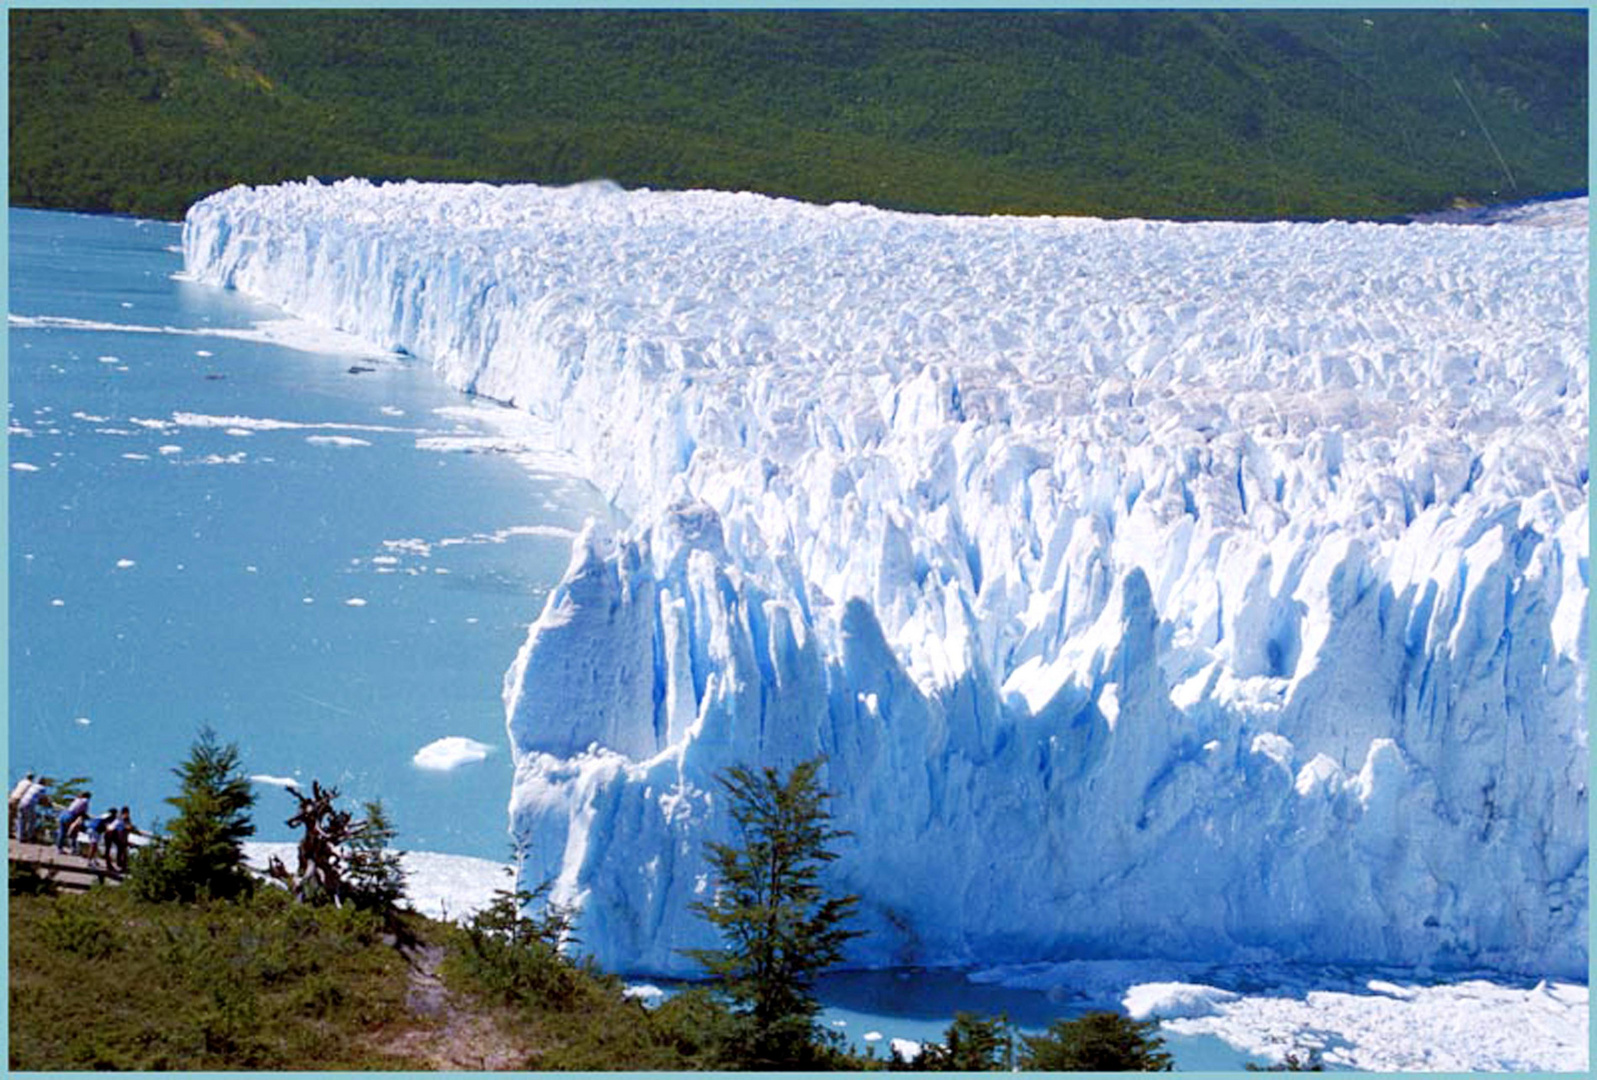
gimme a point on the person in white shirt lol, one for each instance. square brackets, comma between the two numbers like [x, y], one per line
[33, 800]
[15, 801]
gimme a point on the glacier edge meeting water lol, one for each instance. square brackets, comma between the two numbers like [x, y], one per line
[1183, 591]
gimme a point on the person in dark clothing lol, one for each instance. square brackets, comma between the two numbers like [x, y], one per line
[95, 829]
[117, 835]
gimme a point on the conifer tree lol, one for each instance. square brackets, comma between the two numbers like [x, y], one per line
[374, 874]
[203, 854]
[972, 1044]
[1097, 1042]
[780, 929]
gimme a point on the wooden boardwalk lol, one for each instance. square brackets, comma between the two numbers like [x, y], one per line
[69, 873]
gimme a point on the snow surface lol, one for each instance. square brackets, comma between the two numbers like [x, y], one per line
[1187, 590]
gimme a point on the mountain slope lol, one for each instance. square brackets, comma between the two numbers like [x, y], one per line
[1201, 114]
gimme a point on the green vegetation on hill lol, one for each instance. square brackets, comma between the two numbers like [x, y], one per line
[196, 963]
[1191, 114]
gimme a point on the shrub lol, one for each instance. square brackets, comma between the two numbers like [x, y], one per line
[699, 1026]
[516, 957]
[77, 926]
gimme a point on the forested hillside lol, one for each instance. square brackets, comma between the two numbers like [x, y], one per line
[1187, 114]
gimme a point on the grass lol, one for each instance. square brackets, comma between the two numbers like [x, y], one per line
[100, 980]
[105, 981]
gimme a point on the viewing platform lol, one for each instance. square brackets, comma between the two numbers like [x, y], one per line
[69, 872]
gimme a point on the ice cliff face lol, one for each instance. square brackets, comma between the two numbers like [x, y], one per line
[1202, 591]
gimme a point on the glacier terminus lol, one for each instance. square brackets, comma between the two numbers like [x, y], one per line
[1200, 591]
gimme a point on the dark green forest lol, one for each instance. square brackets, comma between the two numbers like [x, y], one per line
[1256, 114]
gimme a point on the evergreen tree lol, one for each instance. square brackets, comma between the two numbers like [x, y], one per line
[202, 854]
[779, 927]
[973, 1044]
[373, 871]
[1097, 1042]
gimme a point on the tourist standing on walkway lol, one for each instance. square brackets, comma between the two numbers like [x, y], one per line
[69, 822]
[95, 828]
[15, 802]
[117, 835]
[34, 799]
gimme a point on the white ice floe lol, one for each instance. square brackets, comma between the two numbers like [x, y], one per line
[274, 781]
[1467, 1027]
[451, 752]
[1208, 591]
[336, 440]
[250, 424]
[906, 1049]
[24, 466]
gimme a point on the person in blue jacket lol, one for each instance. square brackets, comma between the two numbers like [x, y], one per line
[69, 822]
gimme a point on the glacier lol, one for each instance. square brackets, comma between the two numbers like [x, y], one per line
[1181, 590]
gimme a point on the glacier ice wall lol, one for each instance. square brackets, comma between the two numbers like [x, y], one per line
[1190, 590]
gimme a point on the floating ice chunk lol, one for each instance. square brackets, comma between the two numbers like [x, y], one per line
[908, 1049]
[274, 781]
[355, 601]
[1171, 1000]
[450, 752]
[1467, 1027]
[125, 564]
[24, 466]
[647, 993]
[335, 440]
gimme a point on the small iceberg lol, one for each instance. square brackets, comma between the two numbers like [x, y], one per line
[450, 752]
